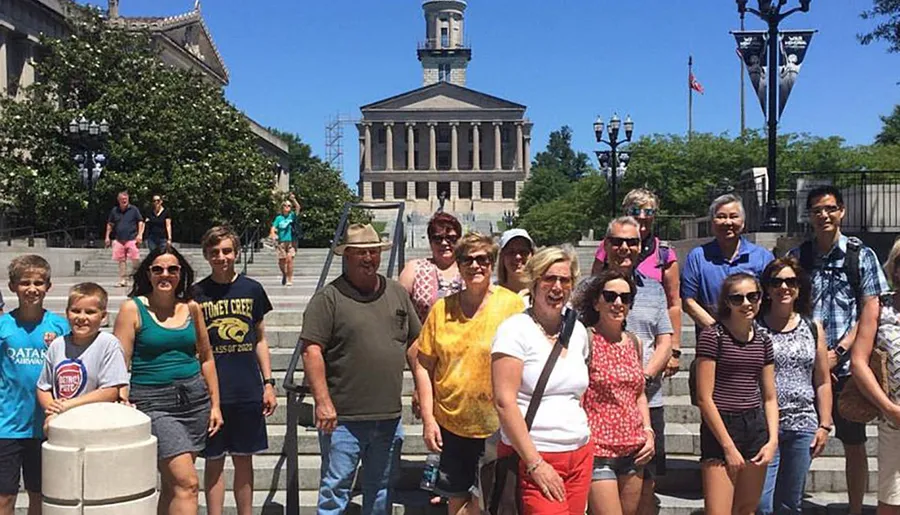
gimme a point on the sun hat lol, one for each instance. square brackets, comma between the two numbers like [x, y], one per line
[362, 237]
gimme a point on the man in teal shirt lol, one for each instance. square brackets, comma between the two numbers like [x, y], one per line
[283, 234]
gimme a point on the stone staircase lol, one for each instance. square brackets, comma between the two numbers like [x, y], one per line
[679, 491]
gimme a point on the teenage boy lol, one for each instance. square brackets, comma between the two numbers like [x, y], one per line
[846, 281]
[86, 365]
[25, 333]
[234, 307]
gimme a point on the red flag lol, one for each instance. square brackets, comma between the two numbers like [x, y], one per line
[694, 83]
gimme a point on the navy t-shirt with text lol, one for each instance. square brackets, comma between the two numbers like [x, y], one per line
[231, 312]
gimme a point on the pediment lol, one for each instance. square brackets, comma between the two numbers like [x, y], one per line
[194, 39]
[442, 96]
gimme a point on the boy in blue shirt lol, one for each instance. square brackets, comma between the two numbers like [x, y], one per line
[25, 334]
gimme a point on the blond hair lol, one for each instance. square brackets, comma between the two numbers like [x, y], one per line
[543, 259]
[890, 266]
[82, 290]
[20, 265]
[640, 197]
[476, 241]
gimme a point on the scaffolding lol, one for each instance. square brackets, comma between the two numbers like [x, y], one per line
[334, 140]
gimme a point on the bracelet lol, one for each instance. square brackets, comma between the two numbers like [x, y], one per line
[531, 468]
[650, 430]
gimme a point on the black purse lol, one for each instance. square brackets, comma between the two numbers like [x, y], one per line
[505, 498]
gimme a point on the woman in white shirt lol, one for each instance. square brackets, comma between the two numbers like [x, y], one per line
[555, 458]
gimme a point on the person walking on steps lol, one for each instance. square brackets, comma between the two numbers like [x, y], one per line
[125, 226]
[282, 233]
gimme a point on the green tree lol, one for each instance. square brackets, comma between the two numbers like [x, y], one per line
[553, 172]
[887, 28]
[323, 193]
[890, 128]
[300, 154]
[171, 132]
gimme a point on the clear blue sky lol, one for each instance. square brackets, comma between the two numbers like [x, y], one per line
[296, 63]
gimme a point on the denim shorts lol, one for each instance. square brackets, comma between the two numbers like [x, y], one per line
[747, 429]
[612, 468]
[179, 414]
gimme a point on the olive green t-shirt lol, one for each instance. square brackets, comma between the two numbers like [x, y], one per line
[364, 338]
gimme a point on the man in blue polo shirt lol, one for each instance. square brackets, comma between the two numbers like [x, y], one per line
[707, 266]
[837, 303]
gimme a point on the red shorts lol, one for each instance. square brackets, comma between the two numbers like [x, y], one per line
[573, 467]
[122, 251]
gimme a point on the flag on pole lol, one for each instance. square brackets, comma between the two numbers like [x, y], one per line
[694, 83]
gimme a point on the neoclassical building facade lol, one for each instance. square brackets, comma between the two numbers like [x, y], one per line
[444, 140]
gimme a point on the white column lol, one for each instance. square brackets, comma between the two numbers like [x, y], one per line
[368, 137]
[27, 78]
[389, 146]
[4, 47]
[454, 146]
[367, 191]
[527, 156]
[388, 190]
[476, 147]
[410, 146]
[432, 146]
[476, 190]
[498, 190]
[410, 190]
[362, 152]
[519, 147]
[432, 194]
[498, 149]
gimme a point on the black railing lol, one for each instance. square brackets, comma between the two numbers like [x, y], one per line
[250, 241]
[297, 392]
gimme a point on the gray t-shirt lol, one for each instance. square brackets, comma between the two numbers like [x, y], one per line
[72, 370]
[364, 337]
[648, 318]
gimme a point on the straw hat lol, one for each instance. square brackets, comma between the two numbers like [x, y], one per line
[363, 237]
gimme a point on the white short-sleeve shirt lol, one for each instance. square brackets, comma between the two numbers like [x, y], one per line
[560, 424]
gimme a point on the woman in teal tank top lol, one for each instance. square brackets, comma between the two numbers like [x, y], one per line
[173, 375]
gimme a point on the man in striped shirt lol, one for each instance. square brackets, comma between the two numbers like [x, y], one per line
[649, 320]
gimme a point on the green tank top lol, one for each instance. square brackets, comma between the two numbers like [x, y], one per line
[162, 355]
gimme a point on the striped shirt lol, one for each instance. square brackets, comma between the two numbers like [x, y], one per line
[738, 367]
[649, 318]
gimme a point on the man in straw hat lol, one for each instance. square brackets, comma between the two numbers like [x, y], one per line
[356, 331]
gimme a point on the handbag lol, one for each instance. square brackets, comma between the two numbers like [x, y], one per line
[853, 405]
[505, 498]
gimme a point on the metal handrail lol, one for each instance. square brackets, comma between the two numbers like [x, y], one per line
[10, 231]
[297, 392]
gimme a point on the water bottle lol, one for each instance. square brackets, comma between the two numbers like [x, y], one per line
[430, 474]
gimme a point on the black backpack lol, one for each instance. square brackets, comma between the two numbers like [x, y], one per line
[851, 265]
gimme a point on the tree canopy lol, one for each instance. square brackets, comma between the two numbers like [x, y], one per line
[886, 13]
[171, 133]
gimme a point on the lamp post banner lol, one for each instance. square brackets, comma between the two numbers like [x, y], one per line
[751, 45]
[793, 45]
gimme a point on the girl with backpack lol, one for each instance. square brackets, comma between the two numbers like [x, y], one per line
[735, 390]
[802, 381]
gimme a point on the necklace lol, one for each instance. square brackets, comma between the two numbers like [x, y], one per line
[551, 337]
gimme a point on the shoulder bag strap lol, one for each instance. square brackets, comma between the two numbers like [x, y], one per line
[561, 342]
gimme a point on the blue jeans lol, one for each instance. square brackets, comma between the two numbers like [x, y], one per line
[153, 243]
[378, 444]
[786, 476]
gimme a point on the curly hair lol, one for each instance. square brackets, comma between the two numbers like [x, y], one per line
[588, 295]
[141, 276]
[444, 221]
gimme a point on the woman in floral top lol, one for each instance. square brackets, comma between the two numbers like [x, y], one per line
[615, 402]
[880, 328]
[802, 382]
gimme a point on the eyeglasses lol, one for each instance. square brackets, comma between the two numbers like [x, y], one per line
[615, 241]
[157, 200]
[171, 269]
[440, 238]
[483, 260]
[610, 296]
[550, 280]
[830, 209]
[636, 211]
[737, 299]
[790, 282]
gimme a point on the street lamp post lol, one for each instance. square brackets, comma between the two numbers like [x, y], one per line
[88, 138]
[611, 159]
[770, 12]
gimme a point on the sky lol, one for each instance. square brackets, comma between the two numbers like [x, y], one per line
[294, 64]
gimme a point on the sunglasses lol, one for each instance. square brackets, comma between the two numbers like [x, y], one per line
[171, 269]
[157, 200]
[563, 280]
[449, 238]
[483, 260]
[790, 282]
[610, 296]
[824, 209]
[636, 211]
[737, 299]
[615, 241]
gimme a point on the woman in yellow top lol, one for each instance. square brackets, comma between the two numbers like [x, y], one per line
[453, 371]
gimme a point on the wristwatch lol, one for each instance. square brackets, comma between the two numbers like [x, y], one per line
[269, 381]
[676, 353]
[840, 351]
[826, 428]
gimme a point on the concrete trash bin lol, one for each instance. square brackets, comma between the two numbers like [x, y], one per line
[99, 459]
